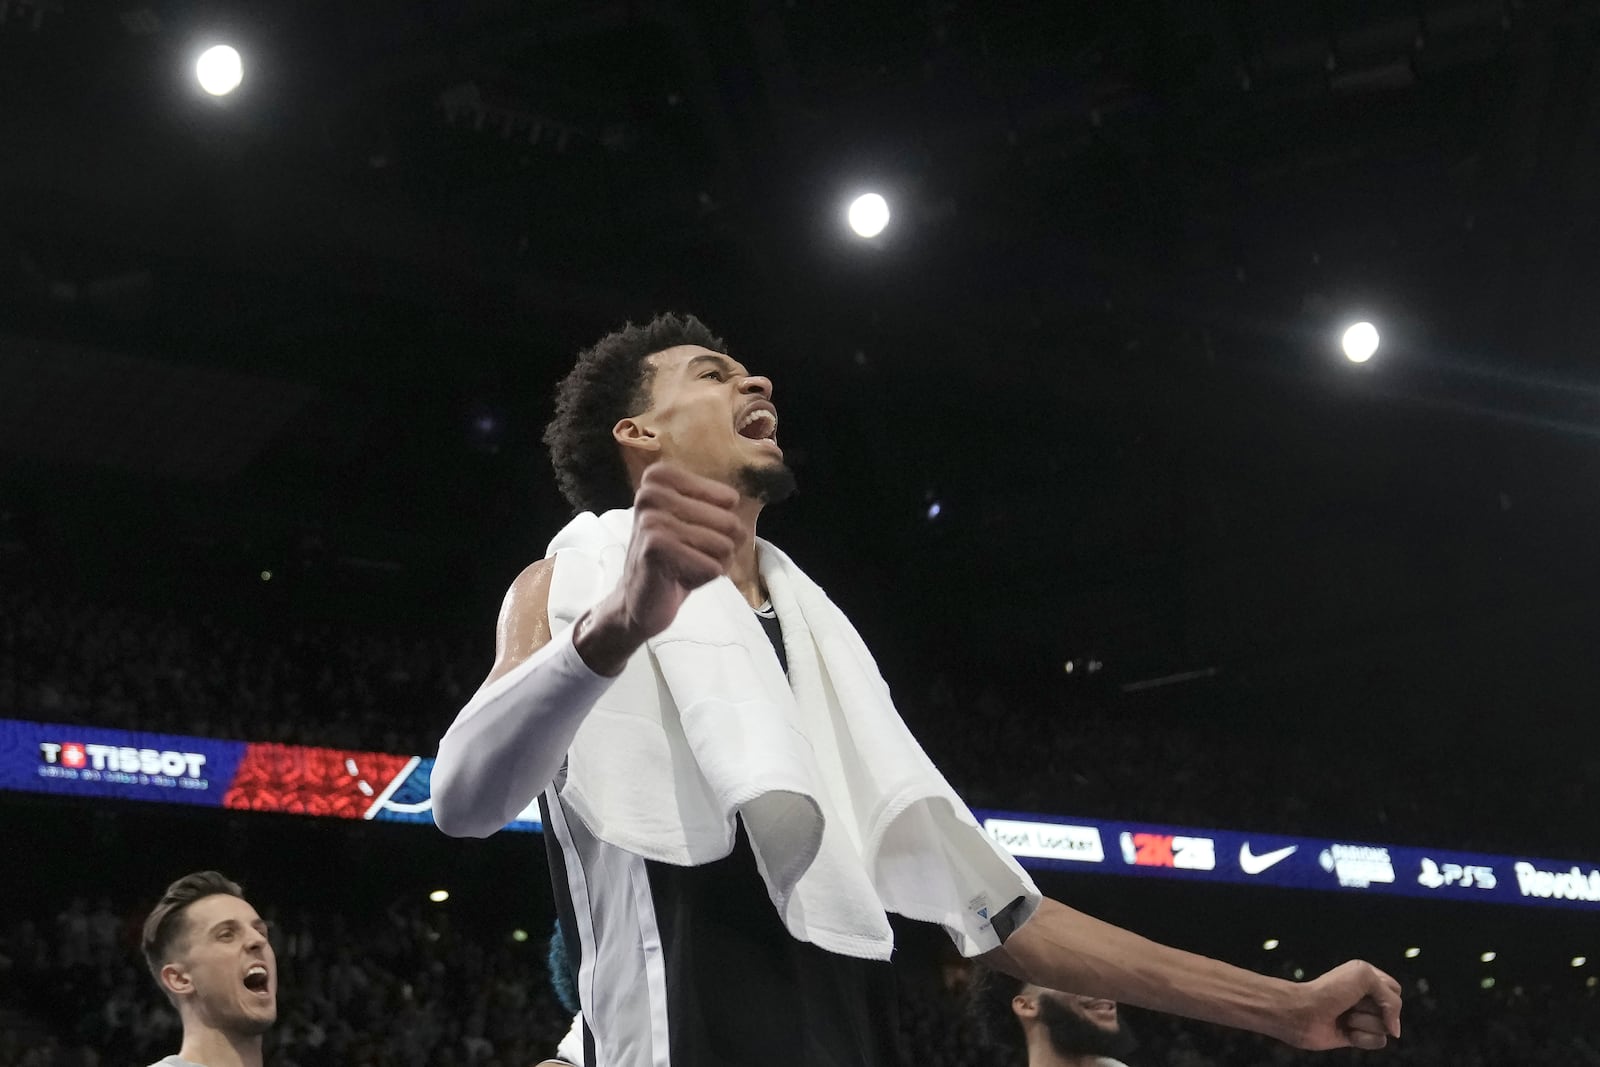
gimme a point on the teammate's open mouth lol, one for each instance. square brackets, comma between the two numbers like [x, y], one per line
[256, 979]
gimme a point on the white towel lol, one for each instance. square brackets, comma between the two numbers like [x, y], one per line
[846, 815]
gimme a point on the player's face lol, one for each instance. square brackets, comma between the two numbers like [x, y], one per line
[709, 415]
[1095, 1011]
[225, 971]
[1078, 1025]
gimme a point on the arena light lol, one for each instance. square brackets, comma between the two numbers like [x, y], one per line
[1359, 342]
[1487, 957]
[1579, 961]
[1487, 982]
[519, 936]
[266, 576]
[439, 896]
[934, 510]
[1270, 943]
[219, 69]
[1413, 952]
[868, 215]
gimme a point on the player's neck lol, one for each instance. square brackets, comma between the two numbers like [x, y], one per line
[213, 1048]
[745, 571]
[1041, 1053]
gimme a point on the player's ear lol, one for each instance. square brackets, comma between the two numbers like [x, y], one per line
[634, 433]
[1024, 1006]
[175, 980]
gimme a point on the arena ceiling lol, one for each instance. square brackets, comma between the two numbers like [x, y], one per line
[1099, 331]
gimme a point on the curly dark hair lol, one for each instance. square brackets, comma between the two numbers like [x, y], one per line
[609, 383]
[989, 997]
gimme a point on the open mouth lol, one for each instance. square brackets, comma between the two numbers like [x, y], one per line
[256, 979]
[758, 424]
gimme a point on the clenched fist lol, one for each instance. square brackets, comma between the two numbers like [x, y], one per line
[685, 531]
[1354, 1005]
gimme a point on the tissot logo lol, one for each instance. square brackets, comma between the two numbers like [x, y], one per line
[1255, 863]
[121, 759]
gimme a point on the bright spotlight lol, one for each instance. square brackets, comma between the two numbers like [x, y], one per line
[1413, 952]
[1360, 342]
[1487, 982]
[1579, 961]
[934, 510]
[439, 896]
[1270, 943]
[219, 70]
[869, 214]
[1487, 957]
[519, 935]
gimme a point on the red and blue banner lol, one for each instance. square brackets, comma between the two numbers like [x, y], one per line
[85, 761]
[88, 761]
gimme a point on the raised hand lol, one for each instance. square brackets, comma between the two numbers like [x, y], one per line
[1355, 1005]
[685, 532]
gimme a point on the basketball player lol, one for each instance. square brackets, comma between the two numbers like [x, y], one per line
[208, 951]
[698, 962]
[1052, 1028]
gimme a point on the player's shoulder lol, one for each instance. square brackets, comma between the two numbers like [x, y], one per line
[535, 576]
[529, 594]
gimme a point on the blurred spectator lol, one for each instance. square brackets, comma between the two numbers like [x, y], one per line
[428, 993]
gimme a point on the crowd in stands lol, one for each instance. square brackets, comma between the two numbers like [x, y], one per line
[64, 660]
[404, 989]
[1094, 762]
[394, 989]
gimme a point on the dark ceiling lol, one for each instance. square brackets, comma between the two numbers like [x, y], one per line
[1100, 330]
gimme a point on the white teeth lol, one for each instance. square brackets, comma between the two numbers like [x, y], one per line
[256, 969]
[759, 413]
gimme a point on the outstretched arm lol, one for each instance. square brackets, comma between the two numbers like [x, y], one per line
[1355, 1005]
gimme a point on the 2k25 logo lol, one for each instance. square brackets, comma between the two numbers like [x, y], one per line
[1435, 875]
[1168, 850]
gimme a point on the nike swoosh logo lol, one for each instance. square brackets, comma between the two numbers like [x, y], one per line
[1250, 863]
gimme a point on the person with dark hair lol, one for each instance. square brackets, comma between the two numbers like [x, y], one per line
[565, 986]
[208, 952]
[1046, 1027]
[732, 804]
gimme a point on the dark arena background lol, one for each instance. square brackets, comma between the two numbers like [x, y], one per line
[1168, 569]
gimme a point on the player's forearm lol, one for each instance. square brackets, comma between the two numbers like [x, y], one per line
[507, 744]
[1061, 948]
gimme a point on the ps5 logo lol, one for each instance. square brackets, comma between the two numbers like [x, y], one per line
[1434, 875]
